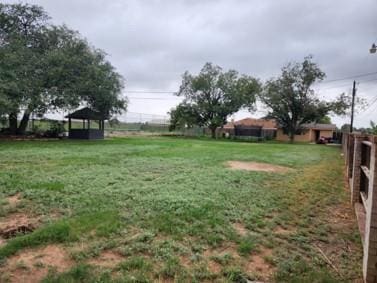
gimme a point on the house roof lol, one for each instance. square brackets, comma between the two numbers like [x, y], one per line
[86, 113]
[252, 122]
[315, 126]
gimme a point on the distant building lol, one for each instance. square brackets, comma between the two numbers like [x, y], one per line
[268, 128]
[249, 127]
[309, 132]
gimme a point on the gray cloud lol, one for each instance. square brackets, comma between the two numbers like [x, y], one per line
[152, 43]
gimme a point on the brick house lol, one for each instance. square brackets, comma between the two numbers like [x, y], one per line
[269, 128]
[309, 133]
[249, 127]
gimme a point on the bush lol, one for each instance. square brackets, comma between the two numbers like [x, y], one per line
[56, 130]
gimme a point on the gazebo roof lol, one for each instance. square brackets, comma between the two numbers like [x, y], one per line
[86, 113]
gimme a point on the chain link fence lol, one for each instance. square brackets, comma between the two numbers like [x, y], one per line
[128, 123]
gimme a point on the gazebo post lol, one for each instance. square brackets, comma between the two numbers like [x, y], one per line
[83, 124]
[88, 124]
[69, 124]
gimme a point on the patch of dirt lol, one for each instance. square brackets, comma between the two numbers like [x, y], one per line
[214, 267]
[2, 242]
[240, 228]
[341, 215]
[17, 223]
[185, 262]
[107, 259]
[283, 231]
[256, 166]
[259, 266]
[14, 200]
[33, 265]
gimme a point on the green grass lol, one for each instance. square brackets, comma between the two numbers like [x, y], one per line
[246, 246]
[157, 201]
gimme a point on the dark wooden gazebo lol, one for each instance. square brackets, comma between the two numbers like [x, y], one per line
[86, 115]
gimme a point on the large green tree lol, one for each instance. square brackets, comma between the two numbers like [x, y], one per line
[50, 68]
[291, 100]
[211, 96]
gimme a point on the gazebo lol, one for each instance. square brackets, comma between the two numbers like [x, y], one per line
[86, 115]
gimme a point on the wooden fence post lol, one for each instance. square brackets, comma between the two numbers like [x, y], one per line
[350, 155]
[356, 169]
[370, 242]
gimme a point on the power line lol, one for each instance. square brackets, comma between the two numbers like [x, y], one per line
[153, 98]
[374, 108]
[130, 112]
[319, 86]
[348, 78]
[366, 111]
[151, 92]
[370, 105]
[147, 91]
[344, 85]
[330, 87]
[371, 80]
[368, 89]
[144, 114]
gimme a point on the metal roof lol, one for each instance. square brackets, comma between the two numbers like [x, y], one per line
[87, 113]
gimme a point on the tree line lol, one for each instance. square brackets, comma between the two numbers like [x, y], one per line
[213, 95]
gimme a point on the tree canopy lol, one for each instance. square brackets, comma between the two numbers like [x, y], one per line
[325, 120]
[211, 96]
[46, 68]
[373, 128]
[291, 100]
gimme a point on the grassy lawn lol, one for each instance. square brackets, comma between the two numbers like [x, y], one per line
[147, 209]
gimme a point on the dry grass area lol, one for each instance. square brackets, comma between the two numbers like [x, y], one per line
[17, 223]
[32, 265]
[259, 264]
[14, 200]
[240, 229]
[107, 259]
[257, 166]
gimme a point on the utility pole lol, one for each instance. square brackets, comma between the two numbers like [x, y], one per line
[353, 104]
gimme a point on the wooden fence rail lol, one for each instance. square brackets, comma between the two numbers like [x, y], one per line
[360, 155]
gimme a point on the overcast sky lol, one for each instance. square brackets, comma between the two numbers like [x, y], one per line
[151, 43]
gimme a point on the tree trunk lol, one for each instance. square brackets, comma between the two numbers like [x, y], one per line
[24, 122]
[213, 133]
[13, 123]
[293, 130]
[291, 137]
